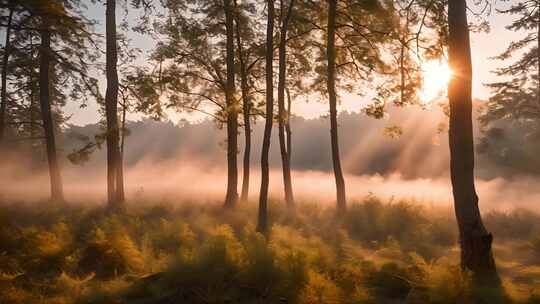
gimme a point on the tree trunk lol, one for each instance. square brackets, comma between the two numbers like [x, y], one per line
[538, 55]
[32, 117]
[120, 172]
[232, 112]
[289, 199]
[332, 98]
[475, 241]
[57, 193]
[5, 59]
[32, 111]
[288, 125]
[111, 110]
[262, 224]
[246, 108]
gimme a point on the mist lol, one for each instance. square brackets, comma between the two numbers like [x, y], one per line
[186, 162]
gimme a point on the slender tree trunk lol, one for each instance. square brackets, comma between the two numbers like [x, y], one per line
[262, 224]
[32, 109]
[538, 54]
[111, 109]
[402, 71]
[33, 116]
[475, 241]
[33, 113]
[5, 59]
[331, 85]
[57, 193]
[120, 172]
[232, 112]
[289, 198]
[246, 109]
[288, 125]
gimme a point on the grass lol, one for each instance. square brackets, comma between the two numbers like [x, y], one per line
[380, 252]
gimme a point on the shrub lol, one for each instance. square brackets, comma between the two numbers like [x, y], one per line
[441, 281]
[110, 253]
[390, 281]
[319, 289]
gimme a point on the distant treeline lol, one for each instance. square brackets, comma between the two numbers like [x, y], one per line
[499, 154]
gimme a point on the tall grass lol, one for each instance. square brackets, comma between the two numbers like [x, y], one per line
[380, 252]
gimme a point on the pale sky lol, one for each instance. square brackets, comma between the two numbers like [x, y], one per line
[484, 46]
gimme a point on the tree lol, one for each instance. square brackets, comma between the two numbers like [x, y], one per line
[57, 193]
[195, 69]
[354, 33]
[246, 105]
[231, 197]
[516, 99]
[475, 240]
[262, 223]
[115, 184]
[332, 98]
[63, 54]
[5, 60]
[19, 70]
[249, 49]
[284, 144]
[297, 36]
[120, 57]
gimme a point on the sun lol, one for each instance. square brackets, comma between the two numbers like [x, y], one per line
[436, 75]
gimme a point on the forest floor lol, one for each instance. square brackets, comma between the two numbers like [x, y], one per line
[379, 252]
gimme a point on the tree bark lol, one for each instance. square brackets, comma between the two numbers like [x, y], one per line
[288, 125]
[232, 112]
[120, 173]
[246, 109]
[538, 54]
[262, 224]
[285, 159]
[115, 200]
[5, 60]
[331, 86]
[475, 241]
[57, 193]
[32, 111]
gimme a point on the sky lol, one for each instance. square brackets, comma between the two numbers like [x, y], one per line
[484, 47]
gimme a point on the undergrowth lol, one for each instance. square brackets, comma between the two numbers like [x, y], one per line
[380, 252]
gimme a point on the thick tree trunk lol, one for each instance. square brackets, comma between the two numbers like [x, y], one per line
[475, 241]
[262, 224]
[57, 193]
[246, 109]
[5, 59]
[232, 112]
[289, 198]
[332, 98]
[115, 200]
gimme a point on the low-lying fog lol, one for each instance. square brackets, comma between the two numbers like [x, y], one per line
[174, 163]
